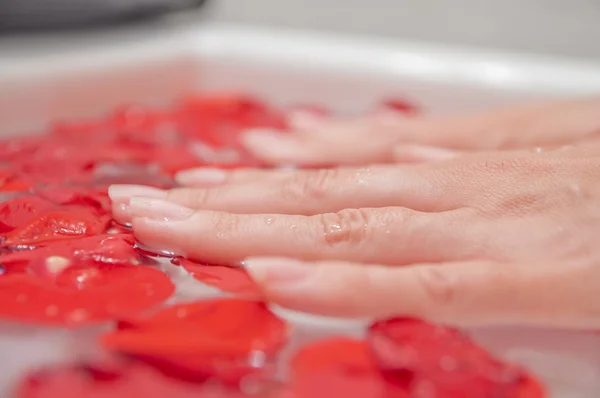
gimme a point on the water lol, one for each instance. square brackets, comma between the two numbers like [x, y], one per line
[571, 361]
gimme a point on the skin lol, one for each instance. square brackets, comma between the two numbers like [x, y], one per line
[482, 237]
[391, 137]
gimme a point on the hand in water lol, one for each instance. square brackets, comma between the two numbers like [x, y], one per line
[319, 141]
[485, 238]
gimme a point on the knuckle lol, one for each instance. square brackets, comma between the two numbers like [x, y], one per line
[440, 288]
[350, 226]
[197, 198]
[310, 185]
[226, 226]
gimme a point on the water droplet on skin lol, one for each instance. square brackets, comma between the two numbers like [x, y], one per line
[269, 221]
[51, 310]
[361, 174]
[334, 228]
[538, 150]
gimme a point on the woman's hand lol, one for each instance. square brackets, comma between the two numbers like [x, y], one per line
[320, 141]
[491, 237]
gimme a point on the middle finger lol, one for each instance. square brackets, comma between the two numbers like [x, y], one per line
[310, 192]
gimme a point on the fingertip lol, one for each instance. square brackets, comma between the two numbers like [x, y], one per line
[123, 192]
[160, 237]
[277, 272]
[121, 212]
[158, 209]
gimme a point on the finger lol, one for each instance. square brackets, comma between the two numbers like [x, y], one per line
[422, 154]
[318, 150]
[205, 177]
[310, 192]
[465, 293]
[543, 124]
[386, 236]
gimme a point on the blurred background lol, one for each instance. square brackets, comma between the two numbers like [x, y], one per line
[561, 27]
[565, 27]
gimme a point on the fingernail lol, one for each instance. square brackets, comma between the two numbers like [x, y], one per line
[304, 120]
[201, 176]
[425, 153]
[124, 192]
[277, 271]
[157, 209]
[269, 141]
[121, 210]
[156, 236]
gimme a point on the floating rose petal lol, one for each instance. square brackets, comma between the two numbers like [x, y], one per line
[339, 367]
[122, 379]
[95, 198]
[17, 211]
[67, 222]
[99, 250]
[226, 338]
[227, 279]
[444, 361]
[83, 294]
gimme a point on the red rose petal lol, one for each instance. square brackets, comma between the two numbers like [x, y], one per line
[339, 367]
[123, 379]
[97, 199]
[218, 338]
[444, 361]
[83, 295]
[227, 279]
[101, 250]
[64, 223]
[14, 185]
[17, 211]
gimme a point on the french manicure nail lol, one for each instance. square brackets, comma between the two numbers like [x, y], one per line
[158, 209]
[279, 271]
[124, 192]
[201, 176]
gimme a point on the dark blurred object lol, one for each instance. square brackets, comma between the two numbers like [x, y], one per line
[64, 14]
